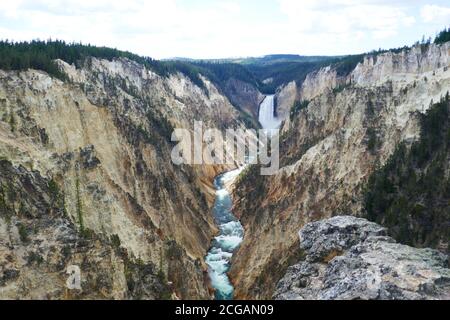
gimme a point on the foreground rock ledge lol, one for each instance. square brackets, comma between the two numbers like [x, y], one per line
[351, 258]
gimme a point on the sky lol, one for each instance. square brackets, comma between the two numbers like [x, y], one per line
[227, 28]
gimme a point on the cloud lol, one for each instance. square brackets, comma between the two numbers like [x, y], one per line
[149, 27]
[435, 14]
[231, 7]
[221, 28]
[347, 17]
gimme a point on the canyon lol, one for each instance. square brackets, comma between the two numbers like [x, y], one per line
[87, 179]
[347, 126]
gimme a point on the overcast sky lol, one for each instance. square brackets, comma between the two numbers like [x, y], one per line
[227, 28]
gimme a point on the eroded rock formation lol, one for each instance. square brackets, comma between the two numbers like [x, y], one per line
[348, 258]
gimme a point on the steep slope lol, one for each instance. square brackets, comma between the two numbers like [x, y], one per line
[238, 84]
[39, 242]
[285, 97]
[332, 144]
[410, 194]
[102, 139]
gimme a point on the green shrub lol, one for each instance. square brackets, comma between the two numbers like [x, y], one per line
[340, 88]
[115, 241]
[79, 205]
[34, 257]
[372, 141]
[23, 232]
[53, 188]
[12, 122]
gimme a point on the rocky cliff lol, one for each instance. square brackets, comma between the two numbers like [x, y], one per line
[348, 258]
[285, 98]
[244, 95]
[86, 179]
[348, 126]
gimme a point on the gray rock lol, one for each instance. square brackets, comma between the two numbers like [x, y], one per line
[352, 258]
[88, 158]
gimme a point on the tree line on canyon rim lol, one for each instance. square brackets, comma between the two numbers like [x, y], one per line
[40, 55]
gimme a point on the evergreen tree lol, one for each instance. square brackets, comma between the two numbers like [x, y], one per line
[443, 36]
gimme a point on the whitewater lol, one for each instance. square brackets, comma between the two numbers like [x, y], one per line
[230, 237]
[267, 117]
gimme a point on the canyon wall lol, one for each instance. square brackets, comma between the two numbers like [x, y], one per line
[244, 95]
[87, 179]
[285, 99]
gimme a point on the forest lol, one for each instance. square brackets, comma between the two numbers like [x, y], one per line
[40, 55]
[443, 36]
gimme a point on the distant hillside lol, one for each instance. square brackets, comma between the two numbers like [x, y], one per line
[276, 74]
[263, 60]
[267, 73]
[281, 58]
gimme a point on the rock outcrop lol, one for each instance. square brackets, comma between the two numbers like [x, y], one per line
[320, 81]
[401, 66]
[285, 99]
[375, 69]
[348, 258]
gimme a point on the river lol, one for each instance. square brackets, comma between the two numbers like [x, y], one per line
[231, 233]
[230, 236]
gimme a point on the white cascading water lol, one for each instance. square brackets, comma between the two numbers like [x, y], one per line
[267, 117]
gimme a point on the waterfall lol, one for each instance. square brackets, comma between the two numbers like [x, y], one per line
[267, 117]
